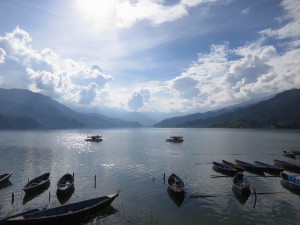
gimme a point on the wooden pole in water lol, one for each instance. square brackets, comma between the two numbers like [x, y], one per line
[12, 198]
[95, 178]
[255, 197]
[164, 178]
[49, 195]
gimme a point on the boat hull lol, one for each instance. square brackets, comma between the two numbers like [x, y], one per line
[67, 214]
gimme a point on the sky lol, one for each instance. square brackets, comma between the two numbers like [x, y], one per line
[150, 55]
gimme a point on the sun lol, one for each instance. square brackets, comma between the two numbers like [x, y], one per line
[97, 10]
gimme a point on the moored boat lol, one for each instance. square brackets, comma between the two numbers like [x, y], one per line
[287, 165]
[37, 184]
[66, 214]
[290, 182]
[176, 185]
[269, 168]
[240, 184]
[289, 154]
[94, 138]
[296, 152]
[235, 166]
[175, 139]
[65, 184]
[223, 168]
[250, 166]
[5, 177]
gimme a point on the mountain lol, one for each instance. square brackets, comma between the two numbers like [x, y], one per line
[280, 111]
[21, 109]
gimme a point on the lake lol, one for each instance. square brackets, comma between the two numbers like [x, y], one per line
[134, 161]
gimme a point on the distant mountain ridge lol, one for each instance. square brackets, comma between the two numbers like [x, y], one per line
[23, 109]
[280, 111]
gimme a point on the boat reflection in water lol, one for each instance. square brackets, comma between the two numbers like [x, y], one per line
[29, 197]
[242, 198]
[63, 198]
[177, 199]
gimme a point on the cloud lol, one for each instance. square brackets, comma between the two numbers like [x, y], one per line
[186, 86]
[136, 101]
[128, 12]
[289, 29]
[45, 72]
[88, 94]
[2, 55]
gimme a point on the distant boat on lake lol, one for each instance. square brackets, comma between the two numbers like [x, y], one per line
[175, 137]
[94, 138]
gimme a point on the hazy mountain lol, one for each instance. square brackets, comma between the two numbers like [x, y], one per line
[37, 110]
[181, 120]
[282, 111]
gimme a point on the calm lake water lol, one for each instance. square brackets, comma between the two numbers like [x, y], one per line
[135, 160]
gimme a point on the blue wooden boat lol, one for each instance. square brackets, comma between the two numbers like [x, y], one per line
[287, 165]
[290, 182]
[240, 184]
[269, 168]
[250, 166]
[221, 167]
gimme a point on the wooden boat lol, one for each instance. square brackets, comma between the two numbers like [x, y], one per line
[175, 139]
[37, 184]
[94, 138]
[175, 185]
[296, 152]
[250, 166]
[287, 165]
[240, 184]
[223, 168]
[65, 184]
[235, 166]
[289, 154]
[66, 214]
[269, 168]
[290, 182]
[5, 177]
